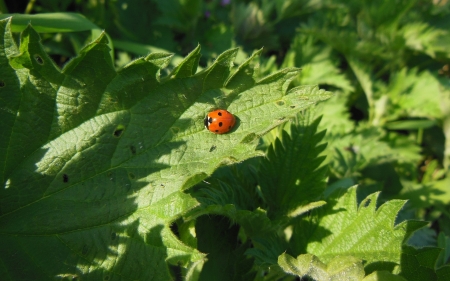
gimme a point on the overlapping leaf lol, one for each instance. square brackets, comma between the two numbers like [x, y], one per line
[94, 161]
[346, 229]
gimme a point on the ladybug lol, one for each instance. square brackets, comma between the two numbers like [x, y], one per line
[219, 121]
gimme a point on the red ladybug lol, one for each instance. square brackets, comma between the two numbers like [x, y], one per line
[219, 121]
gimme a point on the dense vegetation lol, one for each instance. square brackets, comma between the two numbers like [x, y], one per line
[337, 168]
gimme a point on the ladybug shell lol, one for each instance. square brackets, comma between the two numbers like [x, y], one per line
[219, 121]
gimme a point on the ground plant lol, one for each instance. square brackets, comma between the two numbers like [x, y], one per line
[336, 168]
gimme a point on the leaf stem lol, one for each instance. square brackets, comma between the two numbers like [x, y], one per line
[29, 7]
[3, 8]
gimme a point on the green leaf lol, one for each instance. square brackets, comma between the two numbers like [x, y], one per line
[383, 276]
[318, 64]
[420, 264]
[94, 161]
[291, 176]
[339, 268]
[226, 260]
[342, 228]
[406, 98]
[410, 124]
[422, 37]
[50, 22]
[56, 22]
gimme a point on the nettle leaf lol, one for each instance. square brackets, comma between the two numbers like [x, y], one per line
[406, 98]
[422, 37]
[352, 152]
[94, 161]
[420, 264]
[292, 175]
[318, 63]
[342, 228]
[339, 268]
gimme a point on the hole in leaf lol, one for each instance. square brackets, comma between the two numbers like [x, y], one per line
[280, 102]
[131, 176]
[118, 131]
[65, 178]
[367, 203]
[38, 59]
[292, 106]
[212, 148]
[2, 84]
[133, 149]
[113, 236]
[162, 185]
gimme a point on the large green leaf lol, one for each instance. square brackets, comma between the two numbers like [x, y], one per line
[342, 227]
[94, 162]
[292, 176]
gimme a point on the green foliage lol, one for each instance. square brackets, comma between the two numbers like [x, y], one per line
[107, 172]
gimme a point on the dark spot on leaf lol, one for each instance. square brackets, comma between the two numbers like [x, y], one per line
[65, 178]
[106, 278]
[113, 236]
[118, 131]
[212, 148]
[367, 203]
[162, 185]
[39, 59]
[131, 176]
[133, 149]
[85, 250]
[292, 106]
[2, 84]
[220, 113]
[280, 102]
[220, 124]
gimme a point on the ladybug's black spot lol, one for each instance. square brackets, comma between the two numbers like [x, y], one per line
[65, 178]
[229, 127]
[220, 124]
[217, 131]
[219, 113]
